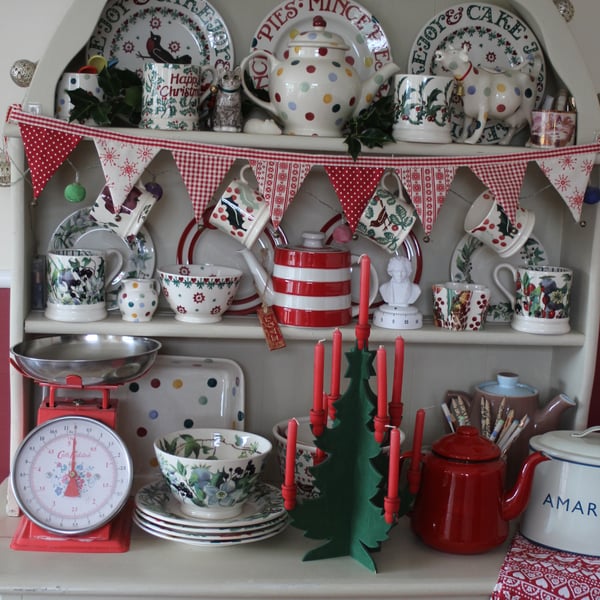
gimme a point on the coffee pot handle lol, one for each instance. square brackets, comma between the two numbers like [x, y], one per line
[247, 61]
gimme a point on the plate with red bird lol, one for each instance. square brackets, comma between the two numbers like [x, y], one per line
[162, 31]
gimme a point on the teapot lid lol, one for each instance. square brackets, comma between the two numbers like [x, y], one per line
[507, 384]
[466, 444]
[319, 37]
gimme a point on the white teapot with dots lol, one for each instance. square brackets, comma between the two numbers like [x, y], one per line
[314, 90]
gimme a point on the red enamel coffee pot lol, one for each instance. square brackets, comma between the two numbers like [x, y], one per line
[461, 506]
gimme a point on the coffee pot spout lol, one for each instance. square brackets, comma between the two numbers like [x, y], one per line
[262, 280]
[515, 501]
[547, 418]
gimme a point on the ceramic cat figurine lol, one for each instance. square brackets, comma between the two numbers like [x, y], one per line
[227, 109]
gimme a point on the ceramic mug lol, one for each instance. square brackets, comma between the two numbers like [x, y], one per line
[487, 221]
[387, 218]
[423, 103]
[460, 306]
[76, 282]
[138, 299]
[542, 297]
[241, 211]
[172, 96]
[73, 81]
[552, 129]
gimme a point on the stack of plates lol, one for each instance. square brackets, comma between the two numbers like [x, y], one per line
[157, 512]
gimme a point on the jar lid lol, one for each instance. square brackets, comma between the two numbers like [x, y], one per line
[319, 37]
[574, 446]
[507, 384]
[466, 444]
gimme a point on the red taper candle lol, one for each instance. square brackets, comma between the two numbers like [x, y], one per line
[290, 453]
[336, 364]
[414, 473]
[382, 411]
[394, 466]
[365, 284]
[318, 369]
[396, 403]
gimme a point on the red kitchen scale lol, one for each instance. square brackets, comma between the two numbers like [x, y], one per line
[72, 474]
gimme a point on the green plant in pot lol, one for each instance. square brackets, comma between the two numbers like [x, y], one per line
[122, 102]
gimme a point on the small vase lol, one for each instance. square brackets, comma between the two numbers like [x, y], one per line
[138, 299]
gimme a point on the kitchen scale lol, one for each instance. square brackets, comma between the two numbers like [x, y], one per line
[72, 474]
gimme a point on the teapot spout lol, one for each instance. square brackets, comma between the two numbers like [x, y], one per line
[371, 86]
[515, 501]
[547, 418]
[262, 281]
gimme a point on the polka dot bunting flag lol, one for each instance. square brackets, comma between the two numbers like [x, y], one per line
[354, 187]
[46, 151]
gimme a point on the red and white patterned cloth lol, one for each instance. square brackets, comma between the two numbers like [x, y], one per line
[532, 572]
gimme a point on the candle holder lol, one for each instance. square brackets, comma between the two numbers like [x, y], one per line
[355, 468]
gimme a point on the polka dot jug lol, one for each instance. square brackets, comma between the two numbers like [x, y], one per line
[315, 89]
[138, 299]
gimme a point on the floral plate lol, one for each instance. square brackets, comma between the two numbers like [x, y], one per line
[496, 39]
[79, 230]
[161, 30]
[265, 504]
[473, 262]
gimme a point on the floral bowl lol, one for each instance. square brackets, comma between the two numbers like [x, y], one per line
[305, 456]
[211, 471]
[199, 293]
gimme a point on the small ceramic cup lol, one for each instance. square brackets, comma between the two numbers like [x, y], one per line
[241, 212]
[76, 283]
[138, 299]
[460, 306]
[73, 81]
[387, 218]
[487, 221]
[552, 129]
[541, 299]
[423, 108]
[172, 95]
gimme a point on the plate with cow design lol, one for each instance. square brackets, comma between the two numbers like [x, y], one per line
[495, 39]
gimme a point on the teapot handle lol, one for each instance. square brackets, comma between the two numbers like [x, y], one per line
[247, 61]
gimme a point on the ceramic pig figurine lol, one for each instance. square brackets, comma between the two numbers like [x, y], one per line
[508, 96]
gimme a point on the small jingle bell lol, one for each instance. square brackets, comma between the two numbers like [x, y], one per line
[22, 72]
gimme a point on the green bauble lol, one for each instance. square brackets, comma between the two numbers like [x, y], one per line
[75, 192]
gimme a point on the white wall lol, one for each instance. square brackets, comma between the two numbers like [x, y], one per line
[26, 27]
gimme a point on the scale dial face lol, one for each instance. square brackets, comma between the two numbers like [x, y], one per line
[72, 475]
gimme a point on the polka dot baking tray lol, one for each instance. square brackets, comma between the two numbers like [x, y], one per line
[178, 392]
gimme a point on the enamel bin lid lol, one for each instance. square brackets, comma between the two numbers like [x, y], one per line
[574, 446]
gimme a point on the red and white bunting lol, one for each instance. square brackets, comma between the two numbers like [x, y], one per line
[46, 151]
[354, 187]
[427, 187]
[201, 174]
[569, 174]
[278, 181]
[123, 163]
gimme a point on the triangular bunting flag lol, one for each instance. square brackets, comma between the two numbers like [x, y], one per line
[427, 188]
[123, 164]
[278, 182]
[46, 150]
[201, 174]
[503, 179]
[569, 174]
[354, 187]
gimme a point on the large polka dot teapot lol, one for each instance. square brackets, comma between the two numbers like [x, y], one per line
[313, 90]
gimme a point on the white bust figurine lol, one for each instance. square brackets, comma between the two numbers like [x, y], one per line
[400, 289]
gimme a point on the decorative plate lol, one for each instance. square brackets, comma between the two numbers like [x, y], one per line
[161, 31]
[378, 255]
[369, 48]
[473, 262]
[179, 392]
[496, 39]
[207, 244]
[79, 230]
[264, 505]
[200, 540]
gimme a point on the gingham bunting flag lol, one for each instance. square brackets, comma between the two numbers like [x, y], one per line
[123, 163]
[504, 180]
[46, 151]
[278, 182]
[201, 174]
[354, 187]
[427, 187]
[569, 174]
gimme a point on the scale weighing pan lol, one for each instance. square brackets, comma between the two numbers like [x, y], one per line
[99, 360]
